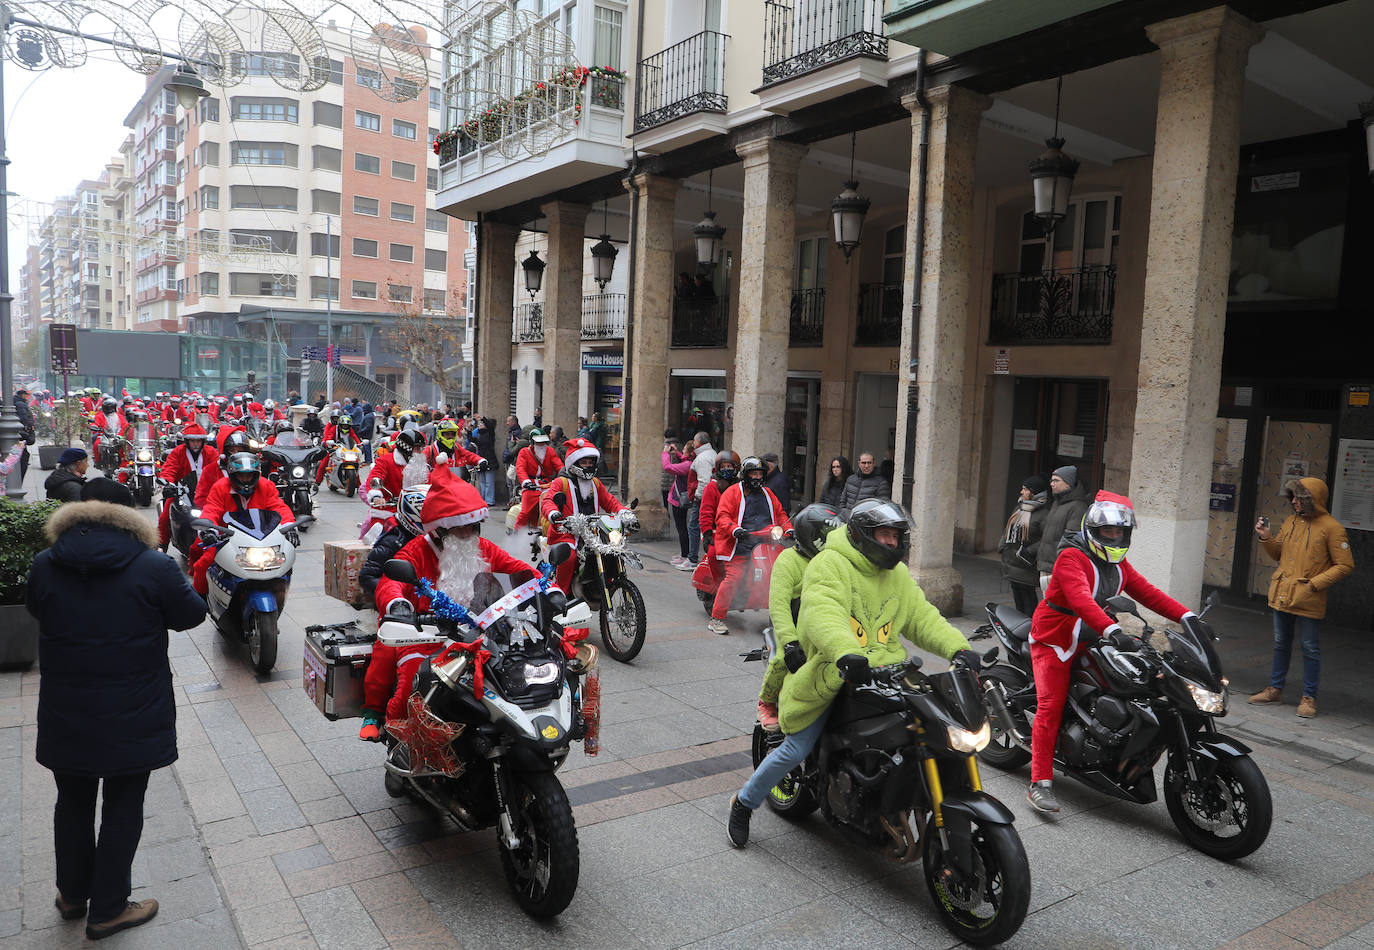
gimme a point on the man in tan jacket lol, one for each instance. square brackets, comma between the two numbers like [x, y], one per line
[1313, 553]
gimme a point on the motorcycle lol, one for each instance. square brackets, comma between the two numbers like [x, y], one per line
[343, 467]
[292, 459]
[109, 457]
[249, 579]
[490, 719]
[895, 769]
[1130, 704]
[753, 593]
[602, 580]
[142, 475]
[181, 514]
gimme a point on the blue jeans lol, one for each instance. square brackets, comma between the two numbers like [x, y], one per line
[1307, 629]
[486, 484]
[787, 756]
[694, 530]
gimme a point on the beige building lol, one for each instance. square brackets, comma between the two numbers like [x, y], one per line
[1175, 333]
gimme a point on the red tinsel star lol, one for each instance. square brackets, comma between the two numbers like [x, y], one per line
[429, 738]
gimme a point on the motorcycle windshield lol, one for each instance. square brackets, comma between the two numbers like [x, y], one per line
[143, 432]
[962, 695]
[204, 421]
[291, 439]
[255, 522]
[487, 591]
[1195, 657]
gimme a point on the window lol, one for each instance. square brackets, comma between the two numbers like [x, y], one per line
[169, 137]
[436, 221]
[399, 293]
[262, 153]
[434, 97]
[262, 285]
[320, 242]
[403, 130]
[432, 179]
[405, 89]
[370, 121]
[265, 109]
[363, 247]
[369, 78]
[181, 170]
[330, 69]
[434, 298]
[607, 26]
[363, 205]
[318, 287]
[324, 202]
[436, 259]
[209, 112]
[1089, 236]
[365, 289]
[209, 198]
[208, 283]
[207, 153]
[282, 242]
[266, 196]
[403, 170]
[285, 65]
[329, 113]
[329, 159]
[894, 253]
[402, 212]
[403, 252]
[367, 163]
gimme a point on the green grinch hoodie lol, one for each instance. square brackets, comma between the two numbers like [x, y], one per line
[784, 590]
[850, 605]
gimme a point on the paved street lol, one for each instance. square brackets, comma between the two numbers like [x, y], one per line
[273, 830]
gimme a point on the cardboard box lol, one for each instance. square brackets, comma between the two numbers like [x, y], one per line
[343, 560]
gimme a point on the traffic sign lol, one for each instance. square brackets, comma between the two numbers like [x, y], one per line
[62, 347]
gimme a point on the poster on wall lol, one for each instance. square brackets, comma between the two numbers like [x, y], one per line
[1352, 495]
[1024, 440]
[1223, 497]
[1070, 446]
[1293, 467]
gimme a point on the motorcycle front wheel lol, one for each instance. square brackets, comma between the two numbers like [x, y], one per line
[990, 908]
[791, 797]
[623, 621]
[542, 869]
[1003, 752]
[1227, 816]
[262, 643]
[145, 495]
[351, 484]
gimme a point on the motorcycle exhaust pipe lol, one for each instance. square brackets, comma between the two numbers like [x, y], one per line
[1001, 715]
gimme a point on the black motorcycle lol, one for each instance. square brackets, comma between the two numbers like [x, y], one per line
[294, 458]
[602, 577]
[181, 514]
[895, 769]
[1129, 705]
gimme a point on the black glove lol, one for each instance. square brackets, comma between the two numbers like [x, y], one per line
[401, 611]
[738, 533]
[555, 517]
[854, 668]
[527, 485]
[483, 465]
[1123, 641]
[968, 658]
[169, 491]
[208, 536]
[291, 534]
[558, 601]
[708, 537]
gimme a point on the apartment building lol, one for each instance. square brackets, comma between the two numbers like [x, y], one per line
[1214, 198]
[154, 224]
[28, 303]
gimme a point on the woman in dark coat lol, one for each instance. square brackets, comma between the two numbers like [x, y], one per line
[833, 488]
[1020, 545]
[104, 598]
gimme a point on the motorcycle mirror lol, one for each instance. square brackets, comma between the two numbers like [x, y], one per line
[634, 503]
[560, 499]
[1122, 605]
[399, 570]
[559, 553]
[200, 524]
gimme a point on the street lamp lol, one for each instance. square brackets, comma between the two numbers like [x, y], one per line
[848, 208]
[603, 253]
[534, 273]
[1052, 175]
[188, 87]
[707, 233]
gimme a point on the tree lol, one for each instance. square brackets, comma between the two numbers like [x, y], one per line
[28, 353]
[431, 340]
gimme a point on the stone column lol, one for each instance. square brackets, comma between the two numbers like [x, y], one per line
[1192, 206]
[941, 317]
[563, 312]
[768, 250]
[496, 313]
[646, 370]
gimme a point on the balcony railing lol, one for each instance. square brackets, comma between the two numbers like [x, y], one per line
[682, 79]
[802, 35]
[512, 120]
[529, 323]
[880, 315]
[1066, 306]
[807, 324]
[603, 317]
[701, 322]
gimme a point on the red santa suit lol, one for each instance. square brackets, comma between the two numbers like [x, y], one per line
[179, 465]
[210, 476]
[529, 467]
[1079, 585]
[451, 502]
[455, 456]
[581, 497]
[224, 499]
[729, 515]
[706, 518]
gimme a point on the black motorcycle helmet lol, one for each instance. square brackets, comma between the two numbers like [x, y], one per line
[812, 524]
[407, 441]
[726, 468]
[243, 472]
[870, 515]
[108, 405]
[751, 474]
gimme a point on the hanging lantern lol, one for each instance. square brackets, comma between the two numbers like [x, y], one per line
[603, 261]
[848, 209]
[187, 86]
[1052, 182]
[534, 273]
[1367, 114]
[708, 236]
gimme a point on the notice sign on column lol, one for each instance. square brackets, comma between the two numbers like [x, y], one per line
[62, 347]
[1001, 363]
[1352, 496]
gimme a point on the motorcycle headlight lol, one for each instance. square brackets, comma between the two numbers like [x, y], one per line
[541, 673]
[349, 456]
[260, 559]
[962, 740]
[298, 472]
[614, 537]
[1207, 701]
[145, 455]
[195, 512]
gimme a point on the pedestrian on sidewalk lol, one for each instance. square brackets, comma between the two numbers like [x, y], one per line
[1069, 500]
[104, 598]
[676, 466]
[1313, 553]
[1020, 543]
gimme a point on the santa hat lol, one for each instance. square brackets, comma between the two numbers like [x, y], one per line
[451, 502]
[578, 449]
[191, 430]
[1104, 495]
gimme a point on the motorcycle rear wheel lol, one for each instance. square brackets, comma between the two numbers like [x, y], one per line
[542, 872]
[995, 907]
[623, 621]
[791, 798]
[262, 643]
[1003, 752]
[1237, 795]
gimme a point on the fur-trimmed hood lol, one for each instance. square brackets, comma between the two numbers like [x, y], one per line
[97, 536]
[1311, 494]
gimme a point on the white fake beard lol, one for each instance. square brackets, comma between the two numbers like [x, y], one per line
[416, 471]
[460, 561]
[539, 451]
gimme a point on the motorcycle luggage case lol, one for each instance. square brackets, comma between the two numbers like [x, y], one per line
[336, 658]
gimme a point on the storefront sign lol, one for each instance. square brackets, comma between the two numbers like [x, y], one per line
[1024, 440]
[1283, 181]
[1223, 497]
[1357, 396]
[1001, 363]
[1352, 494]
[603, 360]
[1070, 446]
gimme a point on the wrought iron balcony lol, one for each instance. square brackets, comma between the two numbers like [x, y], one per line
[880, 315]
[603, 317]
[1065, 306]
[701, 322]
[807, 324]
[803, 35]
[529, 323]
[682, 79]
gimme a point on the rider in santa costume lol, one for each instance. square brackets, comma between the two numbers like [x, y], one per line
[192, 457]
[746, 507]
[535, 463]
[584, 494]
[400, 468]
[450, 554]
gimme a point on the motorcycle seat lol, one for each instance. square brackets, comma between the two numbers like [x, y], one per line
[1017, 623]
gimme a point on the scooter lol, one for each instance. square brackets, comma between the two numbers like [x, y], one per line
[249, 579]
[753, 593]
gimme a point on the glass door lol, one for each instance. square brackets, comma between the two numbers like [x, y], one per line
[1058, 422]
[799, 439]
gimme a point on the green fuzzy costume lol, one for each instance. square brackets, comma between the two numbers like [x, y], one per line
[783, 591]
[850, 605]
